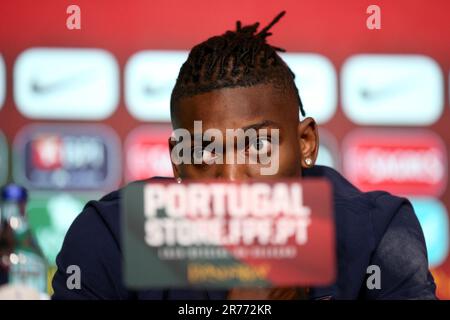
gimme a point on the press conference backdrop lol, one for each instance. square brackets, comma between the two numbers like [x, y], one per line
[83, 112]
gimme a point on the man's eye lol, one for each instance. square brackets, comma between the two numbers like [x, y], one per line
[203, 155]
[259, 146]
[208, 156]
[197, 154]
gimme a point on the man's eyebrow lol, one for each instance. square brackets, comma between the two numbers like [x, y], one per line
[255, 126]
[262, 124]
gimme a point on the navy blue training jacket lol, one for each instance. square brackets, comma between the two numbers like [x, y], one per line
[372, 228]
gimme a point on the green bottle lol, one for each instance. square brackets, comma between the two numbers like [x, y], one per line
[23, 267]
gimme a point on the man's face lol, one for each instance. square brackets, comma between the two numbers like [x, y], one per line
[257, 107]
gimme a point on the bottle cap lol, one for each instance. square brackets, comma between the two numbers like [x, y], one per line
[14, 192]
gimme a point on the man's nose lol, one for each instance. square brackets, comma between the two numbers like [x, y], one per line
[232, 172]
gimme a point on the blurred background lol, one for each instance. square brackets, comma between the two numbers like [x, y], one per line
[84, 111]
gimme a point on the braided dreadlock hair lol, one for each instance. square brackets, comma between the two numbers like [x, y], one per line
[240, 58]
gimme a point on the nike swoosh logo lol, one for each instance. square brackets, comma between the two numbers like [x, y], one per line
[386, 91]
[40, 87]
[149, 89]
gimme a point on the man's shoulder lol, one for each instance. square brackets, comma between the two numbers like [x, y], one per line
[378, 206]
[107, 209]
[93, 243]
[367, 226]
[361, 218]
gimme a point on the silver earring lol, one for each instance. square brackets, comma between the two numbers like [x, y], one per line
[178, 180]
[308, 162]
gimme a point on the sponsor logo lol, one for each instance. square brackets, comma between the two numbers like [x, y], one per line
[147, 153]
[67, 157]
[149, 79]
[2, 81]
[225, 234]
[66, 83]
[3, 159]
[433, 219]
[406, 162]
[315, 78]
[392, 89]
[151, 75]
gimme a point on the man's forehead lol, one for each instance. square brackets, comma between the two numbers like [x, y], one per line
[233, 108]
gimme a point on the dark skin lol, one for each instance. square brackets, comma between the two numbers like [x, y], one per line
[259, 106]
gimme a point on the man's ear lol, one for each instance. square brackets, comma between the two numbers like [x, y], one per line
[175, 167]
[308, 136]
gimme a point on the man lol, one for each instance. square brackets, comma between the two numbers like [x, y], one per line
[237, 80]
